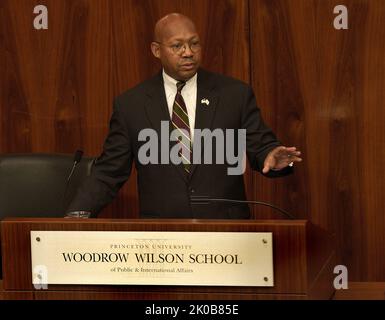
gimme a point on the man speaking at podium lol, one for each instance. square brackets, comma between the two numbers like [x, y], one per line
[183, 99]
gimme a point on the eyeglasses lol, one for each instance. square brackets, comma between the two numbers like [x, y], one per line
[180, 48]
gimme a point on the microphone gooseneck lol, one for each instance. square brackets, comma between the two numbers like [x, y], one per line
[206, 200]
[77, 158]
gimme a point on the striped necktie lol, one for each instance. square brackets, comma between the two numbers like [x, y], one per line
[180, 122]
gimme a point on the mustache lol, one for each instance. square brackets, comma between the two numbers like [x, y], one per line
[187, 61]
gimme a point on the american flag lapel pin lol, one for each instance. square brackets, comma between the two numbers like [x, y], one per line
[205, 101]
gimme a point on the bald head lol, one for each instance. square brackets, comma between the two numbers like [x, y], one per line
[166, 26]
[177, 45]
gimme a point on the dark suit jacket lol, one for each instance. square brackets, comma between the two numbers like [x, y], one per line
[165, 189]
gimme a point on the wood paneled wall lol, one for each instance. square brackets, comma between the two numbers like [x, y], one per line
[319, 88]
[322, 90]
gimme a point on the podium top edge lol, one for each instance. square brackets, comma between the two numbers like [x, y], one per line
[153, 221]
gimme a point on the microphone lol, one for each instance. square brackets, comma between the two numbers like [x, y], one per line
[207, 200]
[77, 158]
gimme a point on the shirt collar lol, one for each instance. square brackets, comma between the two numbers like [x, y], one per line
[171, 82]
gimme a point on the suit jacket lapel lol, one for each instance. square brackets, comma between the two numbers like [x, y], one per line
[156, 106]
[206, 104]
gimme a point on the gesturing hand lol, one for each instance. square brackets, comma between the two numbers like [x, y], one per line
[281, 157]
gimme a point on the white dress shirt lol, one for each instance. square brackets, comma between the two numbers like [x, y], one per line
[189, 94]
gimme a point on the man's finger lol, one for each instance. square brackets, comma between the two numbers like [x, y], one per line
[293, 153]
[266, 169]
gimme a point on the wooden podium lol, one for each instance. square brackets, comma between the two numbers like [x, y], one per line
[303, 255]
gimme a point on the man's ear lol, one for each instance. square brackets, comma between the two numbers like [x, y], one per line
[155, 49]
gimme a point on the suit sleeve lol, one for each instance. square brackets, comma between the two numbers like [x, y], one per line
[110, 171]
[260, 139]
